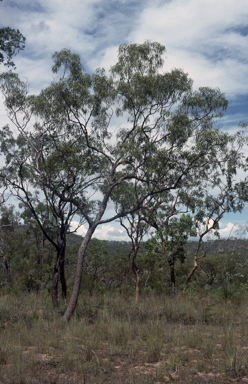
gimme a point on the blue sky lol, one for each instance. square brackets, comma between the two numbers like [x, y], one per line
[207, 39]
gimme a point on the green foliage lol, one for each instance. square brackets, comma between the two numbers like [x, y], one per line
[26, 262]
[11, 42]
[174, 236]
[167, 246]
[96, 264]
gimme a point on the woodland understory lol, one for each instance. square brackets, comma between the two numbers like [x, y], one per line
[188, 338]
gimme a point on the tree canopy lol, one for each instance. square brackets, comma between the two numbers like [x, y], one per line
[11, 42]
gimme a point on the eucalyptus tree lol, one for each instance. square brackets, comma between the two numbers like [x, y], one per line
[53, 219]
[217, 194]
[230, 195]
[86, 135]
[9, 247]
[136, 230]
[170, 239]
[11, 42]
[52, 215]
[168, 214]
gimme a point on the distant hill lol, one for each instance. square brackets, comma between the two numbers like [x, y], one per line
[215, 247]
[113, 247]
[220, 247]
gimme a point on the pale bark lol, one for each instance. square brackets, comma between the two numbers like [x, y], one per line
[136, 271]
[196, 258]
[78, 278]
[148, 277]
[192, 271]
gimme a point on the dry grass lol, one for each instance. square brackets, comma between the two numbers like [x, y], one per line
[110, 340]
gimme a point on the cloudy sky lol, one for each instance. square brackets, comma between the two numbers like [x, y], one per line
[207, 39]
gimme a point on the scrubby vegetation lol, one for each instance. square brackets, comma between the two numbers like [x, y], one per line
[27, 265]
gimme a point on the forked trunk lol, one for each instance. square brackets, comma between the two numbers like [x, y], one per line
[80, 258]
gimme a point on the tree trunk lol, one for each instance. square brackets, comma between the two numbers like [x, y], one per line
[55, 283]
[80, 258]
[172, 274]
[42, 260]
[191, 272]
[196, 258]
[62, 275]
[137, 286]
[6, 268]
[59, 272]
[127, 274]
[126, 283]
[148, 277]
[136, 271]
[6, 271]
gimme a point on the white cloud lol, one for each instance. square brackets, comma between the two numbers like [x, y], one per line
[109, 232]
[200, 38]
[114, 231]
[80, 229]
[103, 232]
[226, 230]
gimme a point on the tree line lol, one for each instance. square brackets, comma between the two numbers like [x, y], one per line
[27, 264]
